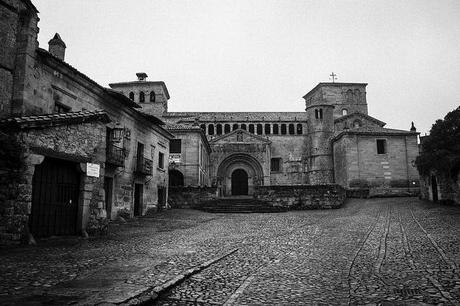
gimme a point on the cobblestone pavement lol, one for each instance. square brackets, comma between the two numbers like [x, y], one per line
[395, 251]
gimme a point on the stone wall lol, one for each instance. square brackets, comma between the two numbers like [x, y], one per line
[189, 197]
[300, 197]
[448, 188]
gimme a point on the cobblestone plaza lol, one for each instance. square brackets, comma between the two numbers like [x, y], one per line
[393, 250]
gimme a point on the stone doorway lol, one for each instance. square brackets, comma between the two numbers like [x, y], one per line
[239, 182]
[55, 193]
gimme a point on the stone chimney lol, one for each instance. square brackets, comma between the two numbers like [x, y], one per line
[141, 76]
[57, 47]
[412, 128]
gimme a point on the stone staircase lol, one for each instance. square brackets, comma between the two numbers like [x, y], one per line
[238, 204]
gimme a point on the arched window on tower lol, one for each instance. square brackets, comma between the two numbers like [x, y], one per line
[283, 129]
[320, 113]
[344, 112]
[276, 129]
[243, 126]
[251, 128]
[211, 129]
[152, 96]
[227, 128]
[316, 114]
[141, 97]
[131, 95]
[219, 129]
[291, 129]
[235, 126]
[299, 129]
[259, 129]
[267, 129]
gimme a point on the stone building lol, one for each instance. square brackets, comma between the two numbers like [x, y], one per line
[73, 152]
[333, 141]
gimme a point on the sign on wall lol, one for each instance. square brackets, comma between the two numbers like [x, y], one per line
[174, 158]
[92, 169]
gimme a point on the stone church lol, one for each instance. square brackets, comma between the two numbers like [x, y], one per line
[75, 154]
[334, 140]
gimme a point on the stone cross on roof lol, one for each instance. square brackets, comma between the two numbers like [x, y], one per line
[333, 77]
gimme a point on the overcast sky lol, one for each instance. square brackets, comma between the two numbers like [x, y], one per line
[263, 55]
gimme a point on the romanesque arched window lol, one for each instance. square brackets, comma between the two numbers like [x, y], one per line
[357, 95]
[275, 129]
[291, 129]
[283, 129]
[211, 129]
[259, 129]
[141, 97]
[203, 127]
[131, 95]
[251, 128]
[344, 112]
[152, 96]
[243, 126]
[227, 128]
[320, 113]
[267, 129]
[235, 126]
[299, 129]
[219, 129]
[349, 95]
[316, 114]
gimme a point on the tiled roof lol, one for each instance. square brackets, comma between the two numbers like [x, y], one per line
[150, 117]
[374, 131]
[175, 126]
[238, 116]
[367, 117]
[28, 122]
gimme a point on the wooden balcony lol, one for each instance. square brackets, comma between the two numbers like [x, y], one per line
[144, 166]
[115, 155]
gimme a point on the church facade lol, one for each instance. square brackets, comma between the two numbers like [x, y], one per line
[334, 140]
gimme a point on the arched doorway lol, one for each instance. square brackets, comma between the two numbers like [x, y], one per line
[176, 178]
[239, 182]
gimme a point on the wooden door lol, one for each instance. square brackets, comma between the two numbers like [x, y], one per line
[239, 182]
[55, 192]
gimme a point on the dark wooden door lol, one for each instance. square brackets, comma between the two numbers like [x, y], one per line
[55, 191]
[138, 197]
[108, 188]
[239, 182]
[434, 188]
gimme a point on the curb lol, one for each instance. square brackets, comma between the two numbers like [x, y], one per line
[150, 295]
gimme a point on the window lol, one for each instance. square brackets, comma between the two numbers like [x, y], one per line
[299, 129]
[235, 126]
[320, 113]
[291, 129]
[211, 129]
[267, 129]
[344, 112]
[275, 129]
[259, 129]
[152, 96]
[140, 153]
[141, 97]
[316, 114]
[175, 146]
[251, 128]
[283, 129]
[381, 146]
[60, 108]
[227, 128]
[203, 127]
[219, 129]
[356, 124]
[275, 164]
[243, 126]
[131, 95]
[161, 158]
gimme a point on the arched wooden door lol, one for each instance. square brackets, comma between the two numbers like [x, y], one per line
[176, 178]
[239, 182]
[55, 191]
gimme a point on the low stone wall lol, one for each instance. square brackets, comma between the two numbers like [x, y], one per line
[381, 192]
[188, 197]
[300, 197]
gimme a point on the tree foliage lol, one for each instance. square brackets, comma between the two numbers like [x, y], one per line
[441, 149]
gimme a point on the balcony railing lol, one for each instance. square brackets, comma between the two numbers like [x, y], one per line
[144, 165]
[115, 155]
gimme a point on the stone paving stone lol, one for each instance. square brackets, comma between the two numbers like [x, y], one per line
[379, 252]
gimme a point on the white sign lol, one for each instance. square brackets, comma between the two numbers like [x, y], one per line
[174, 158]
[92, 169]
